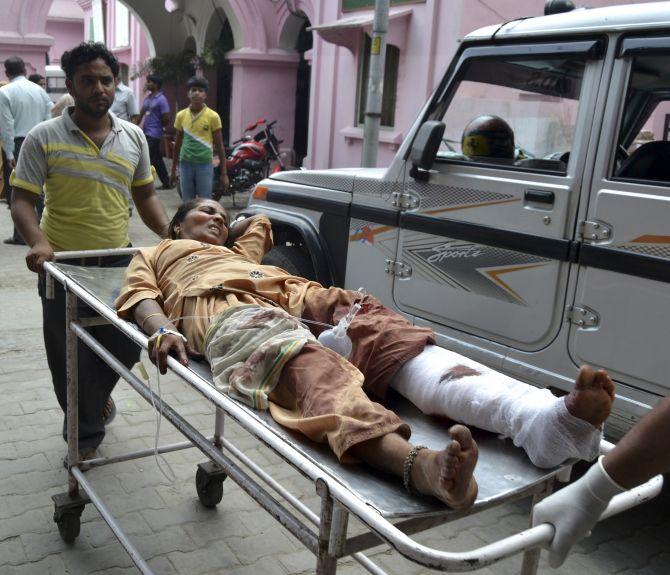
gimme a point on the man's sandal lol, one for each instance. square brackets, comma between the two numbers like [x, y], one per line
[108, 411]
[85, 454]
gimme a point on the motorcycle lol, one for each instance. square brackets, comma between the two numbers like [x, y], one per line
[253, 158]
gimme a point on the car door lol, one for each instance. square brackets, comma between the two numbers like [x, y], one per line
[625, 259]
[487, 239]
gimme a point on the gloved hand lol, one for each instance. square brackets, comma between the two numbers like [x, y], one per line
[574, 510]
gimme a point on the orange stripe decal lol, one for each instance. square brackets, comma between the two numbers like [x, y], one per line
[368, 233]
[651, 240]
[467, 207]
[493, 274]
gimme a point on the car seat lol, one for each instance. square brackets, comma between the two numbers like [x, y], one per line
[651, 161]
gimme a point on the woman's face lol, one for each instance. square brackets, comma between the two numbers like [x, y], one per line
[207, 222]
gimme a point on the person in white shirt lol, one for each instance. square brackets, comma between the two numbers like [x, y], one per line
[23, 105]
[125, 104]
[62, 104]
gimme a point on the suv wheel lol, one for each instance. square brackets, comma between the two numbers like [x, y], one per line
[292, 259]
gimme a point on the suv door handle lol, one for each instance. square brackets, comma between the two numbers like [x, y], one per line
[539, 196]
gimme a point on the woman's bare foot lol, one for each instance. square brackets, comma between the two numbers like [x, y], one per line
[591, 398]
[448, 474]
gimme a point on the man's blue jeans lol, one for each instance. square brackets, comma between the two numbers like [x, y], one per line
[195, 180]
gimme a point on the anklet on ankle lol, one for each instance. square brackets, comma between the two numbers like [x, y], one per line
[407, 468]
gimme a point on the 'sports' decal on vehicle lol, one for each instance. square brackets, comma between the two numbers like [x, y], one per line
[471, 267]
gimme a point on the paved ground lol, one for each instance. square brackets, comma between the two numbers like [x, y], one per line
[165, 520]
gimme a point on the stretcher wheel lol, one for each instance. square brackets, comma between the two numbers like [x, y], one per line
[69, 523]
[209, 483]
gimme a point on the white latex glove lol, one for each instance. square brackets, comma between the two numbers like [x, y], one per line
[574, 510]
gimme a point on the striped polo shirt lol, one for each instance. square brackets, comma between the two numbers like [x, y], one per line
[198, 131]
[86, 188]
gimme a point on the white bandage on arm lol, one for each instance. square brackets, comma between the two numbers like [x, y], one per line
[441, 382]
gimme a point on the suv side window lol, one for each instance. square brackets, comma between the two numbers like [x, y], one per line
[515, 112]
[643, 149]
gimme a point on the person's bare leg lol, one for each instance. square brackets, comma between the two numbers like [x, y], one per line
[446, 474]
[591, 398]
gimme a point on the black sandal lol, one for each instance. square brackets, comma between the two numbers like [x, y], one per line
[108, 411]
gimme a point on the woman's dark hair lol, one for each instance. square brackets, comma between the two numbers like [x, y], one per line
[83, 54]
[155, 79]
[180, 214]
[198, 82]
[35, 78]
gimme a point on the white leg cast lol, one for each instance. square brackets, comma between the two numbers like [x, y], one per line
[441, 382]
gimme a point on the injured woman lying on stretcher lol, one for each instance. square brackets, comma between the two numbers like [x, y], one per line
[256, 325]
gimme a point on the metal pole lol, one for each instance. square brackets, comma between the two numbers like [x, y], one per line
[373, 107]
[126, 543]
[72, 374]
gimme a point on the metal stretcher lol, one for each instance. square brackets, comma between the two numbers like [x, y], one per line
[380, 503]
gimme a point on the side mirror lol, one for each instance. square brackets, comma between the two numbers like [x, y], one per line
[424, 148]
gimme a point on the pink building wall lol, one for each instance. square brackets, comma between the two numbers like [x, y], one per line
[66, 35]
[23, 33]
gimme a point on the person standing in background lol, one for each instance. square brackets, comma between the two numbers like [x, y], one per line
[155, 117]
[64, 102]
[39, 80]
[125, 105]
[198, 133]
[23, 105]
[4, 181]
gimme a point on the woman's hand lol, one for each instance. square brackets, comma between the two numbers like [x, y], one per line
[163, 344]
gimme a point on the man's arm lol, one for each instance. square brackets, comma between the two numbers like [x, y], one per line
[643, 452]
[175, 157]
[132, 108]
[25, 219]
[151, 209]
[224, 183]
[48, 106]
[639, 456]
[7, 129]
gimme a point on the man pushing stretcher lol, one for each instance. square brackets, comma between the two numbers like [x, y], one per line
[198, 297]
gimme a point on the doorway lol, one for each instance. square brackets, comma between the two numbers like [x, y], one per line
[301, 128]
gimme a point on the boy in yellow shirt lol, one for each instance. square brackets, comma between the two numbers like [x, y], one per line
[198, 132]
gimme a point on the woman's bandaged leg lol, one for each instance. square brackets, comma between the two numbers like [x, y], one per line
[441, 382]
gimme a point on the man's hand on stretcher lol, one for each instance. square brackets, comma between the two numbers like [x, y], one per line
[150, 317]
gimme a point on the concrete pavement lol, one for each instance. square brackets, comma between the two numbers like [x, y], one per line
[165, 519]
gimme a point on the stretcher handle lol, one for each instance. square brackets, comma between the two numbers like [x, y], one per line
[522, 541]
[94, 253]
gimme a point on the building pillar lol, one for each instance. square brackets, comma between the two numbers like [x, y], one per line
[264, 86]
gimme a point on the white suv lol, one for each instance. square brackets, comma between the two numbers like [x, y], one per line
[533, 250]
